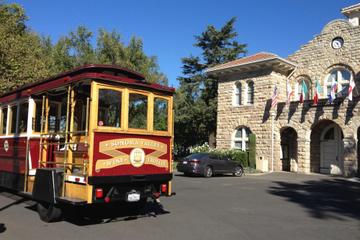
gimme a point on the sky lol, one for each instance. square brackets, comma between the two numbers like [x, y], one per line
[168, 27]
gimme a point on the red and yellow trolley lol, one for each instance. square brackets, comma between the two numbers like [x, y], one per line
[95, 134]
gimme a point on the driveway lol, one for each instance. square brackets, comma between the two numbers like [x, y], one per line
[270, 206]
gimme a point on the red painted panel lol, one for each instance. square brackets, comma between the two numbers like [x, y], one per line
[34, 146]
[13, 160]
[13, 154]
[114, 154]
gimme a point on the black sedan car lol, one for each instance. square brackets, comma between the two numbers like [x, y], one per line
[207, 165]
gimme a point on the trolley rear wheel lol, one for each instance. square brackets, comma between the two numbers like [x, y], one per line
[48, 212]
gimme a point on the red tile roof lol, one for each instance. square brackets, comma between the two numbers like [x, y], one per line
[245, 60]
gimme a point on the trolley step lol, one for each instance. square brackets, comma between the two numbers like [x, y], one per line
[71, 201]
[25, 194]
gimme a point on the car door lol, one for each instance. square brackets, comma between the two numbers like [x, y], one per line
[220, 164]
[229, 165]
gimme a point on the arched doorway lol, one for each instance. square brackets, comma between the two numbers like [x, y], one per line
[327, 148]
[289, 149]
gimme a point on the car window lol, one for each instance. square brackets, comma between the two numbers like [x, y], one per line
[214, 156]
[197, 156]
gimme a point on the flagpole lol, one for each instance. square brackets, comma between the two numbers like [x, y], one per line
[272, 140]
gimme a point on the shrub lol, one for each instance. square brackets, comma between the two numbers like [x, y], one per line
[234, 154]
[202, 148]
[252, 151]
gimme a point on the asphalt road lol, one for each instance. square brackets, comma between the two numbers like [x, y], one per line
[271, 206]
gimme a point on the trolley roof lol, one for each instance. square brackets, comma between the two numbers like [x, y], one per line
[105, 72]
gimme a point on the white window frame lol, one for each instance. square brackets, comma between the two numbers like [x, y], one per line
[237, 97]
[243, 139]
[340, 79]
[247, 93]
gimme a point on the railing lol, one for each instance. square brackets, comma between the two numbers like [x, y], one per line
[64, 140]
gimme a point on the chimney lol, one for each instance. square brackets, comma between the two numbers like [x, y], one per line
[352, 13]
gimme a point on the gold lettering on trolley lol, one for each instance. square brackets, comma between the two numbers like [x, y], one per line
[113, 148]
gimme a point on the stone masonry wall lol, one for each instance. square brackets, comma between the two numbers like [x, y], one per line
[255, 116]
[315, 60]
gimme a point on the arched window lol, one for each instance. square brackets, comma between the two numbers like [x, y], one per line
[307, 91]
[250, 92]
[342, 76]
[237, 95]
[241, 138]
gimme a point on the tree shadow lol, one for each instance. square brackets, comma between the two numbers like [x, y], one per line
[323, 199]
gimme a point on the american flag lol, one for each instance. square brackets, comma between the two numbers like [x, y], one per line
[274, 97]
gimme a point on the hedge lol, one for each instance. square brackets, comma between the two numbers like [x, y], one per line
[234, 154]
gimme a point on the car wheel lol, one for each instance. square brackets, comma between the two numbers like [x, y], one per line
[239, 171]
[48, 212]
[208, 172]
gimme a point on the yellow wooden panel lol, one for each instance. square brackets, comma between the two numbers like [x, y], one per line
[73, 190]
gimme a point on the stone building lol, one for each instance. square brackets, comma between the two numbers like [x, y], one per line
[307, 137]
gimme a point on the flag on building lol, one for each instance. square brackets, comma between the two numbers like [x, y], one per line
[318, 90]
[334, 88]
[274, 97]
[351, 89]
[289, 91]
[304, 91]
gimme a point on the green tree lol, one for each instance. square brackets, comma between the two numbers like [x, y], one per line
[138, 61]
[110, 49]
[196, 98]
[81, 46]
[22, 55]
[61, 57]
[26, 57]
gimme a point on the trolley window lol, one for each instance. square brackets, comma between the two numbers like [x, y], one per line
[3, 120]
[53, 117]
[23, 117]
[13, 118]
[109, 109]
[138, 104]
[38, 109]
[160, 114]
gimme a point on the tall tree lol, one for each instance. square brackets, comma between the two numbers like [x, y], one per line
[196, 98]
[110, 49]
[81, 46]
[22, 56]
[27, 57]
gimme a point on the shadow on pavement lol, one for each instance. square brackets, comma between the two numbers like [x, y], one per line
[324, 199]
[11, 195]
[2, 228]
[106, 213]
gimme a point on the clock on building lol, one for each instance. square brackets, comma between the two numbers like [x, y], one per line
[337, 43]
